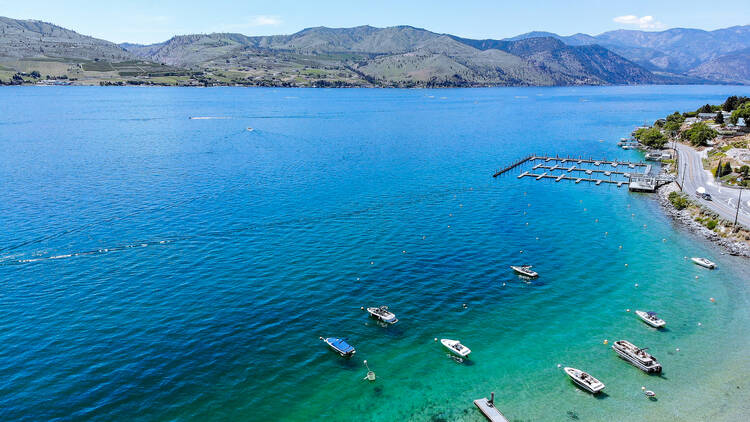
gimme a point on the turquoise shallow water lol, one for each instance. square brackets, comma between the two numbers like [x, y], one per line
[154, 267]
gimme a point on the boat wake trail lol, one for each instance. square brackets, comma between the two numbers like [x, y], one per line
[207, 236]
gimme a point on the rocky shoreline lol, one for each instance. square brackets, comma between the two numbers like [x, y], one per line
[684, 217]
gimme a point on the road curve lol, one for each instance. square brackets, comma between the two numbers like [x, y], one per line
[724, 200]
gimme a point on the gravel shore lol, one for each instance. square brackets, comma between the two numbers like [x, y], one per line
[684, 217]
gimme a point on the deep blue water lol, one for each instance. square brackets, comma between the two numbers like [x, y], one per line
[157, 267]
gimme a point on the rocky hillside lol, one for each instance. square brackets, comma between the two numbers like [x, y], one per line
[731, 68]
[406, 56]
[400, 56]
[37, 39]
[677, 51]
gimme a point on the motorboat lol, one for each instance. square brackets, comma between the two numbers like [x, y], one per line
[703, 262]
[381, 313]
[525, 270]
[455, 347]
[637, 356]
[340, 346]
[651, 319]
[584, 380]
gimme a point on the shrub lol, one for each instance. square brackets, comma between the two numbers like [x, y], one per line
[711, 224]
[678, 201]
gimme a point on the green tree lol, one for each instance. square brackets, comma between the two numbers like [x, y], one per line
[704, 109]
[719, 118]
[733, 102]
[744, 170]
[742, 112]
[651, 137]
[36, 74]
[699, 134]
[719, 170]
[727, 168]
[676, 117]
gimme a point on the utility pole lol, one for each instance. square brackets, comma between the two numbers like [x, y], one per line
[737, 213]
[684, 170]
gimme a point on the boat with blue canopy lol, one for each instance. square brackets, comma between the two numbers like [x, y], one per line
[340, 346]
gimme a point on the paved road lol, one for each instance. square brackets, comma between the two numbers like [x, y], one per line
[724, 200]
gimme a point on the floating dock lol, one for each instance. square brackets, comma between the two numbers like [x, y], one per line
[637, 175]
[488, 409]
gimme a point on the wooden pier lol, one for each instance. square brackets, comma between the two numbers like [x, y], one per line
[512, 166]
[488, 409]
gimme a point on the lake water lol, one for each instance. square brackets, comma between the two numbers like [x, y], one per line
[157, 267]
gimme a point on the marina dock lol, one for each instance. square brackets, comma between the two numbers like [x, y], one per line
[638, 176]
[488, 409]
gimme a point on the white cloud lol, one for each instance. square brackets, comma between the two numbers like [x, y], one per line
[249, 23]
[643, 22]
[264, 20]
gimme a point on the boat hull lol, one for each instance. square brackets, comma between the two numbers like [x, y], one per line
[654, 369]
[525, 272]
[595, 387]
[659, 323]
[344, 350]
[705, 264]
[389, 319]
[449, 344]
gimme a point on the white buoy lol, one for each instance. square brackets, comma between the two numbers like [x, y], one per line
[370, 374]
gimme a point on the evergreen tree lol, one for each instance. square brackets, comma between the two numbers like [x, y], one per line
[718, 171]
[719, 118]
[727, 168]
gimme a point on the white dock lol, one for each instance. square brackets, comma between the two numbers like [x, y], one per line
[488, 409]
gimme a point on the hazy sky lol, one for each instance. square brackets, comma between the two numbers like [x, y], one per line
[148, 21]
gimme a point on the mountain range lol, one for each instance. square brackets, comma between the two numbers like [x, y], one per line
[400, 56]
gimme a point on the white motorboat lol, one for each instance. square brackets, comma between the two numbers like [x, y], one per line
[455, 347]
[637, 356]
[651, 319]
[584, 380]
[703, 262]
[381, 313]
[525, 270]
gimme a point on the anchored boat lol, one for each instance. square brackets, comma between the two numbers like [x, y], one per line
[584, 380]
[703, 262]
[455, 347]
[637, 356]
[525, 270]
[381, 313]
[651, 319]
[339, 346]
